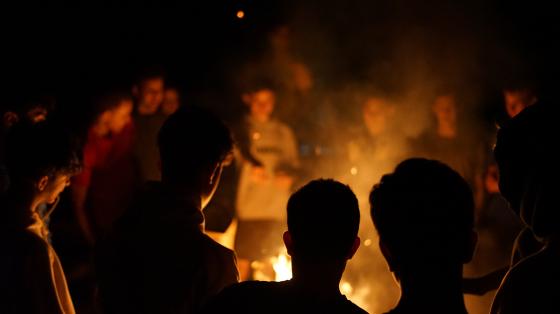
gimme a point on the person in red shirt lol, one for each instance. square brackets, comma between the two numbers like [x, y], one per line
[103, 191]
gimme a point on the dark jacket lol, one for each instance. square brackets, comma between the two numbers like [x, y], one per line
[158, 260]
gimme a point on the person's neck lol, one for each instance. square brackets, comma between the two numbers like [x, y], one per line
[144, 110]
[185, 192]
[260, 119]
[22, 203]
[320, 280]
[432, 291]
[447, 130]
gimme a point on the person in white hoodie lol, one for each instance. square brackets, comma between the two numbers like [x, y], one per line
[268, 162]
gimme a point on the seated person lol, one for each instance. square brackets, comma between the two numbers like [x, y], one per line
[323, 221]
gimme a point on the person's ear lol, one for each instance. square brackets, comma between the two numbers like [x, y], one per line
[42, 183]
[246, 98]
[287, 237]
[354, 248]
[469, 251]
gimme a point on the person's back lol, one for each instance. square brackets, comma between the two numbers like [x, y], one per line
[424, 215]
[278, 297]
[529, 172]
[323, 221]
[157, 259]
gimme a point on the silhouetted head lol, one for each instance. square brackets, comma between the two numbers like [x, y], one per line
[41, 158]
[323, 221]
[193, 143]
[424, 215]
[148, 90]
[528, 162]
[171, 100]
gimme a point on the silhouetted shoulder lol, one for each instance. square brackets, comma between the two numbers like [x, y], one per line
[531, 286]
[222, 262]
[275, 297]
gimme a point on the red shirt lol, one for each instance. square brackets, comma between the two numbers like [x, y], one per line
[108, 175]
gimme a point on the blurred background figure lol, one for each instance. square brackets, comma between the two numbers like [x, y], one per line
[451, 142]
[148, 93]
[171, 100]
[103, 191]
[376, 146]
[269, 164]
[517, 98]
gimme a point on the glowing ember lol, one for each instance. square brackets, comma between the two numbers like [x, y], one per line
[240, 14]
[282, 267]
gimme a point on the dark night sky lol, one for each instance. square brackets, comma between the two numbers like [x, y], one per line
[68, 53]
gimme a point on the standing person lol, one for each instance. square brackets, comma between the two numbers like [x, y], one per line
[376, 148]
[451, 143]
[148, 93]
[158, 259]
[529, 170]
[171, 100]
[424, 214]
[268, 167]
[41, 159]
[323, 221]
[103, 191]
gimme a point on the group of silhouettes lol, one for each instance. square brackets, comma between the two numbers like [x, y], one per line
[157, 258]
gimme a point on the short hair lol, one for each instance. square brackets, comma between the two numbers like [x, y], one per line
[110, 100]
[424, 210]
[323, 220]
[149, 73]
[41, 149]
[191, 140]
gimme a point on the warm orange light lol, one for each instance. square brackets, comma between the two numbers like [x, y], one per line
[240, 14]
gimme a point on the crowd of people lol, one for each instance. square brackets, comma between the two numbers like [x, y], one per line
[163, 235]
